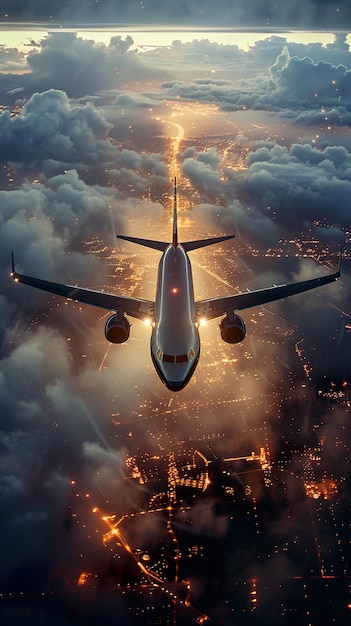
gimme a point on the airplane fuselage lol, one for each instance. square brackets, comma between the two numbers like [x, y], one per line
[175, 342]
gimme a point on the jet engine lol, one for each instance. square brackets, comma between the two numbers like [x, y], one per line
[117, 329]
[232, 330]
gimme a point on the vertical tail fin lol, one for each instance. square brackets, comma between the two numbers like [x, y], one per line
[175, 227]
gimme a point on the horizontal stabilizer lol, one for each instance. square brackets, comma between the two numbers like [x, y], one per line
[201, 243]
[149, 243]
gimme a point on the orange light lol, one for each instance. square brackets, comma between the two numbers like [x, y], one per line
[83, 578]
[174, 290]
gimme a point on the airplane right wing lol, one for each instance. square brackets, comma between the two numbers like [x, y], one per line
[215, 307]
[135, 307]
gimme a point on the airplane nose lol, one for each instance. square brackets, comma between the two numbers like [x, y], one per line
[174, 386]
[175, 375]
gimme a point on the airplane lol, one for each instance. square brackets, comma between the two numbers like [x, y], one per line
[174, 315]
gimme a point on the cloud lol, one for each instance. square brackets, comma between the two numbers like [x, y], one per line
[300, 82]
[204, 172]
[53, 134]
[290, 79]
[76, 65]
[128, 100]
[11, 59]
[140, 170]
[300, 181]
[51, 130]
[30, 213]
[279, 185]
[49, 435]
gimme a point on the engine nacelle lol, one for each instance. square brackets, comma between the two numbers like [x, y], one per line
[117, 329]
[232, 331]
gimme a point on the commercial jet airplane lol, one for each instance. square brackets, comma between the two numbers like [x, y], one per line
[175, 315]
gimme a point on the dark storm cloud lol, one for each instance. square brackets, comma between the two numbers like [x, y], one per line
[307, 14]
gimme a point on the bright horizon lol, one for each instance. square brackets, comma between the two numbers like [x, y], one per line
[18, 36]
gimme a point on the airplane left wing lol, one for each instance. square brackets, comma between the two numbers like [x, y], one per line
[215, 307]
[134, 307]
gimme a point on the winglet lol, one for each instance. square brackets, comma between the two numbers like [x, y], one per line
[15, 276]
[175, 227]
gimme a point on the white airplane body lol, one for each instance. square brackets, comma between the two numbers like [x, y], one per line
[175, 315]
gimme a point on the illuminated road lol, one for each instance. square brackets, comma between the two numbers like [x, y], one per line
[175, 141]
[167, 587]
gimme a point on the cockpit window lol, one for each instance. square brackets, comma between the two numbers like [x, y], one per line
[179, 358]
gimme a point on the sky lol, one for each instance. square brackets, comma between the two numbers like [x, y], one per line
[304, 14]
[85, 131]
